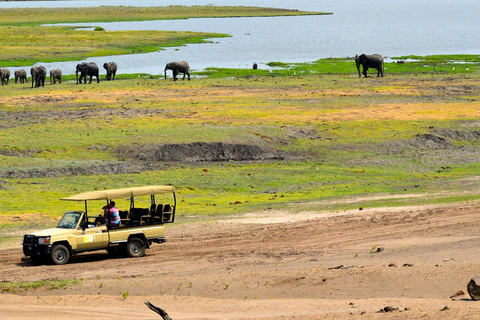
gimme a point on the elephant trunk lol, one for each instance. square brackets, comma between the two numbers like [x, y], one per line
[76, 75]
[358, 68]
[165, 73]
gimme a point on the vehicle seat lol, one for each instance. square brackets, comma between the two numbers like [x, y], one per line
[167, 212]
[123, 218]
[153, 208]
[135, 215]
[157, 216]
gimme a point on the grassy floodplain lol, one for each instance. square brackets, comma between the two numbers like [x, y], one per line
[25, 40]
[408, 138]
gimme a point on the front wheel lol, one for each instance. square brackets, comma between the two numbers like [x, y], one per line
[60, 254]
[136, 248]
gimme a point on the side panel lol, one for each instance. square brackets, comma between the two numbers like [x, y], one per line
[122, 234]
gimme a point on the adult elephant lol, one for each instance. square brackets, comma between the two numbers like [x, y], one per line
[85, 69]
[21, 75]
[55, 74]
[5, 75]
[38, 74]
[111, 68]
[178, 67]
[374, 61]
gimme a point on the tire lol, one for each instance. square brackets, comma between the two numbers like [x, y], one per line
[135, 248]
[60, 254]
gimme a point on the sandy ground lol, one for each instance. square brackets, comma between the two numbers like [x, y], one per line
[271, 265]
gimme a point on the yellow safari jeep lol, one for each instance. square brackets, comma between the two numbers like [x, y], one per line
[141, 224]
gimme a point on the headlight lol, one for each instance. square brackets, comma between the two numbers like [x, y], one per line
[44, 240]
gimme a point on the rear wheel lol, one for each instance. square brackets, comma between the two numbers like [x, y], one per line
[135, 248]
[60, 254]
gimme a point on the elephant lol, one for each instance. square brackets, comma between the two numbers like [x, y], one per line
[39, 74]
[21, 75]
[55, 74]
[5, 75]
[178, 67]
[87, 69]
[111, 68]
[369, 61]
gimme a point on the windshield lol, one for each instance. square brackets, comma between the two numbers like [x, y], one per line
[69, 220]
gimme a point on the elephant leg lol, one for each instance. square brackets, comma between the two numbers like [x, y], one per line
[365, 69]
[184, 74]
[175, 73]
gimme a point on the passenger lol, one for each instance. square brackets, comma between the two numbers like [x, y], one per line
[106, 218]
[113, 215]
[100, 220]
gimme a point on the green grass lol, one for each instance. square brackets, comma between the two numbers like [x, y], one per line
[454, 64]
[51, 44]
[17, 287]
[36, 16]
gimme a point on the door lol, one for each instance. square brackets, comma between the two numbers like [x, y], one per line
[92, 238]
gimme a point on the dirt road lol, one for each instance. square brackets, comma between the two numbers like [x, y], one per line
[345, 265]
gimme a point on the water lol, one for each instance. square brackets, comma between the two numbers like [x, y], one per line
[391, 28]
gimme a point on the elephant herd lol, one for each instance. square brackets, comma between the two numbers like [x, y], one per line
[39, 73]
[90, 70]
[86, 70]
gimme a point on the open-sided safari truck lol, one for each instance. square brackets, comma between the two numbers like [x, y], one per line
[78, 231]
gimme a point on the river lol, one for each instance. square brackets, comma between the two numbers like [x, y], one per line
[391, 28]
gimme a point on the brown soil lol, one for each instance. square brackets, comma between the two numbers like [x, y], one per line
[272, 265]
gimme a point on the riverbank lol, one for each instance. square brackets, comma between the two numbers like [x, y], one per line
[26, 41]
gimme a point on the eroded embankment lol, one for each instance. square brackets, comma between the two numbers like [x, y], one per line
[151, 157]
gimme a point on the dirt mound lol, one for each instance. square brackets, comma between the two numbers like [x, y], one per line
[430, 142]
[459, 135]
[199, 152]
[90, 169]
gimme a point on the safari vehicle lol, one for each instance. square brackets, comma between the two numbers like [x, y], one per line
[78, 231]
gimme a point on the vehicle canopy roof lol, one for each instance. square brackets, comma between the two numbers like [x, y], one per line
[120, 193]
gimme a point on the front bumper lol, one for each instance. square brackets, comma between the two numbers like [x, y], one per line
[32, 248]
